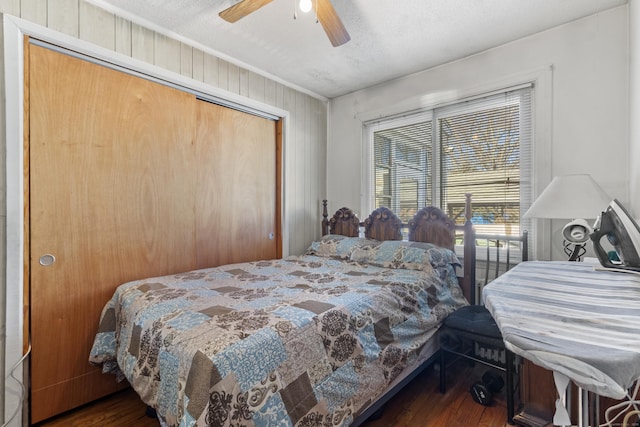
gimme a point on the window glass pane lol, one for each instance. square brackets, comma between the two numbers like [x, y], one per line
[402, 164]
[408, 198]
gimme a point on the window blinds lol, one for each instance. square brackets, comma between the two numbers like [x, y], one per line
[403, 159]
[480, 146]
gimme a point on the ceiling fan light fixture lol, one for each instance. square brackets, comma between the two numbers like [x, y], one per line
[325, 14]
[305, 6]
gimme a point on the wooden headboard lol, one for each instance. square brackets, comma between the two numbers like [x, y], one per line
[430, 225]
[382, 224]
[343, 222]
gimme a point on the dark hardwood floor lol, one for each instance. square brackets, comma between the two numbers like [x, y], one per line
[419, 404]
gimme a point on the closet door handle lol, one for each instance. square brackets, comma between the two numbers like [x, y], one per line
[47, 259]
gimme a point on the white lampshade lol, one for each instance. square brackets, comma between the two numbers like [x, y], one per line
[570, 197]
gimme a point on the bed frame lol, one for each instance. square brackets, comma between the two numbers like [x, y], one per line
[429, 225]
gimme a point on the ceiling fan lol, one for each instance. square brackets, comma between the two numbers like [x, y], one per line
[325, 13]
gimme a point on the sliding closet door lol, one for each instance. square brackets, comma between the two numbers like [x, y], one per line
[236, 188]
[111, 200]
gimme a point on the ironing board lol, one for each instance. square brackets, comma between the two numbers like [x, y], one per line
[568, 317]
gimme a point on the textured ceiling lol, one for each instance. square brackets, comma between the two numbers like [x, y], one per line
[389, 39]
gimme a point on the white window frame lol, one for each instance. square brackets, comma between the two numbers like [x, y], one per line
[434, 115]
[541, 138]
[540, 234]
[369, 129]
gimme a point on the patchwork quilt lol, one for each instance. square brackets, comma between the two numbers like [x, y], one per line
[310, 340]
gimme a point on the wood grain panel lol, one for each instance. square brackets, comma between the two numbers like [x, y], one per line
[537, 394]
[61, 396]
[210, 71]
[244, 81]
[64, 17]
[11, 7]
[236, 193]
[98, 26]
[233, 78]
[142, 43]
[302, 160]
[123, 36]
[198, 64]
[167, 53]
[110, 199]
[223, 74]
[256, 87]
[34, 11]
[186, 60]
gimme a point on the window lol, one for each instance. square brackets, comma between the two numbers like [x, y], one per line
[402, 164]
[435, 157]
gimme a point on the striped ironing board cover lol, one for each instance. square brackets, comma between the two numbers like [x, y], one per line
[572, 319]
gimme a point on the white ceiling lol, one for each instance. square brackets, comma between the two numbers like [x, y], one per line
[389, 39]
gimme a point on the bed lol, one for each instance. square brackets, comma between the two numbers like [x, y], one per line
[320, 339]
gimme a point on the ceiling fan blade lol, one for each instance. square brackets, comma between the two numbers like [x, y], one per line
[242, 9]
[331, 23]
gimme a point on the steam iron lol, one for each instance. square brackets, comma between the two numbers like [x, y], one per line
[623, 234]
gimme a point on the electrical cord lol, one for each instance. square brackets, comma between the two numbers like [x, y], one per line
[627, 417]
[623, 407]
[23, 389]
[574, 251]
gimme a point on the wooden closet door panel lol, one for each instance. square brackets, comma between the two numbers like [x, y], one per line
[111, 198]
[236, 188]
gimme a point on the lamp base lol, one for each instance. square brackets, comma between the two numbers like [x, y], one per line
[574, 251]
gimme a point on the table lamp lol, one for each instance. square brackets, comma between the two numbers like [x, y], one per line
[574, 197]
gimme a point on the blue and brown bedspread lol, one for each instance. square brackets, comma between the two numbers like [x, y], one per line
[306, 341]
